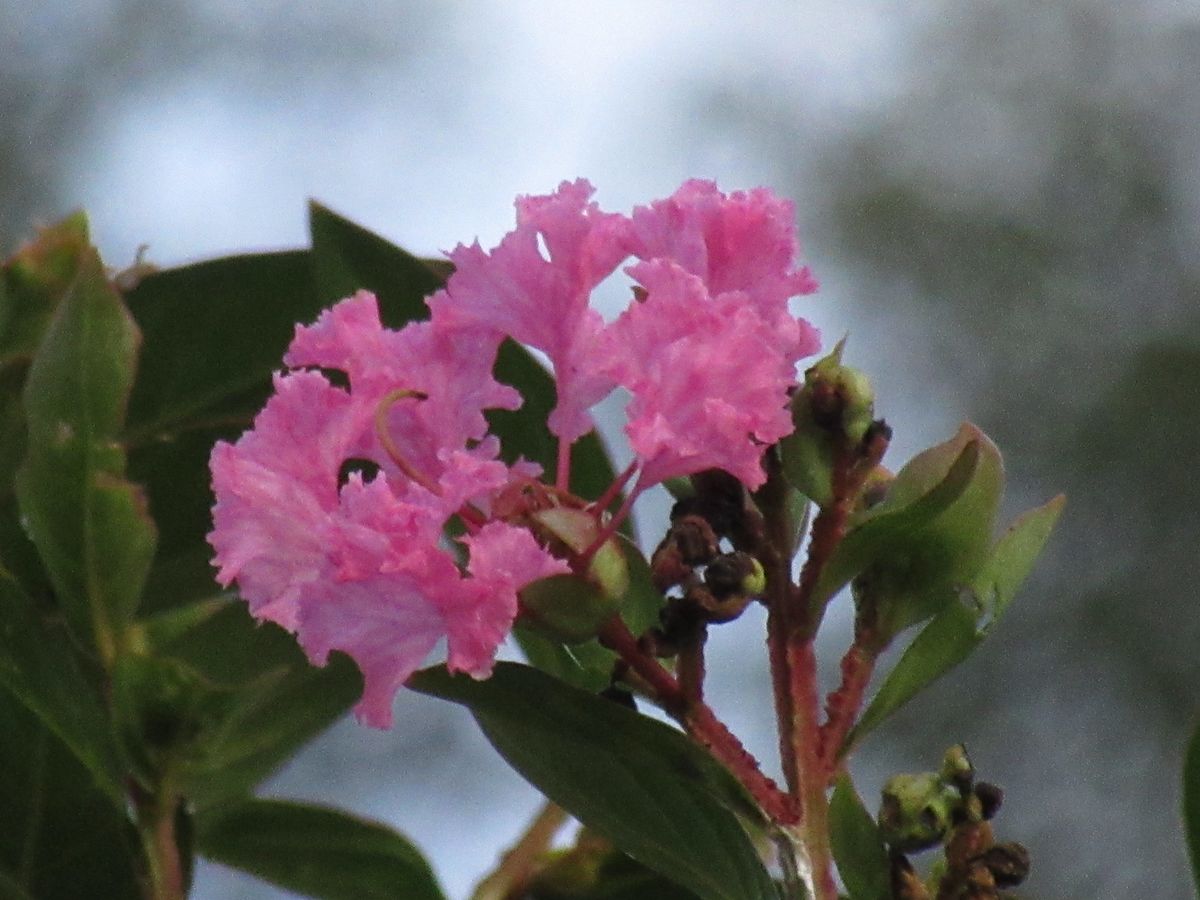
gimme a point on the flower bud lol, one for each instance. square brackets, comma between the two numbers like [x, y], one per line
[572, 607]
[567, 608]
[917, 811]
[576, 530]
[833, 409]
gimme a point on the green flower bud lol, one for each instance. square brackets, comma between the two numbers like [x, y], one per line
[572, 608]
[577, 530]
[917, 811]
[834, 408]
[957, 768]
[567, 608]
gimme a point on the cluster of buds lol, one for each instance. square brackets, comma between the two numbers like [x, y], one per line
[948, 808]
[703, 583]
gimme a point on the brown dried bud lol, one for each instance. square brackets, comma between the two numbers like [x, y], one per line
[1009, 863]
[990, 798]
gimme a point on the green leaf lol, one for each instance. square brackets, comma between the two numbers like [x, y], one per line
[280, 701]
[10, 888]
[89, 524]
[584, 873]
[929, 535]
[960, 627]
[39, 667]
[214, 333]
[1191, 802]
[63, 837]
[587, 666]
[858, 849]
[33, 282]
[644, 786]
[318, 852]
[349, 258]
[1013, 557]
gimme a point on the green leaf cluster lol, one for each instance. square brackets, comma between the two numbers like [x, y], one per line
[135, 695]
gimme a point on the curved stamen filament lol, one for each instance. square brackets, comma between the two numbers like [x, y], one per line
[389, 445]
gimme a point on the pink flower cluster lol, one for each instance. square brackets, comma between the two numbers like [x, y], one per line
[331, 511]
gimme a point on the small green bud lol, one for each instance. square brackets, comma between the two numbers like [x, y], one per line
[833, 409]
[917, 811]
[957, 768]
[568, 608]
[577, 529]
[755, 583]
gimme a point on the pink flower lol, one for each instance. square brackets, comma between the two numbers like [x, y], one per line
[331, 511]
[541, 299]
[389, 592]
[744, 241]
[356, 564]
[708, 380]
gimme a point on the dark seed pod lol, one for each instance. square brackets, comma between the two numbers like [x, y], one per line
[990, 798]
[1008, 863]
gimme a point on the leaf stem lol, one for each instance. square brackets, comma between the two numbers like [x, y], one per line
[511, 877]
[843, 704]
[156, 826]
[700, 722]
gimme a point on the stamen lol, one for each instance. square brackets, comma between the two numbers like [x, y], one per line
[389, 445]
[614, 489]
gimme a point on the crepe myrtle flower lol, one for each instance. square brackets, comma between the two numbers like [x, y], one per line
[331, 511]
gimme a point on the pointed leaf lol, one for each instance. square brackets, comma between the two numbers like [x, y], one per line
[60, 830]
[952, 634]
[858, 849]
[39, 667]
[33, 282]
[317, 851]
[644, 786]
[280, 701]
[1013, 557]
[348, 258]
[214, 332]
[89, 524]
[941, 645]
[1191, 802]
[895, 522]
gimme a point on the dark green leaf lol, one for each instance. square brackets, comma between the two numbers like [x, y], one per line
[349, 258]
[38, 665]
[644, 786]
[951, 636]
[603, 875]
[214, 332]
[89, 524]
[62, 838]
[317, 852]
[280, 703]
[1191, 802]
[10, 888]
[587, 666]
[862, 858]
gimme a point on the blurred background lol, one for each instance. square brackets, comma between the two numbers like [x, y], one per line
[1001, 199]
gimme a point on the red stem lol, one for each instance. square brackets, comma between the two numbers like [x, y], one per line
[701, 723]
[843, 704]
[691, 669]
